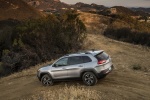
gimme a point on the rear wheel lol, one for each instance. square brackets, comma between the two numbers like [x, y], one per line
[47, 80]
[89, 78]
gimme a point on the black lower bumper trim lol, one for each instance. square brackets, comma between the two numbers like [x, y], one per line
[105, 72]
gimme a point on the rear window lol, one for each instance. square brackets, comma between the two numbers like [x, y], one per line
[102, 56]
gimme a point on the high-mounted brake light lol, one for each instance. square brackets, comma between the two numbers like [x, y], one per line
[101, 62]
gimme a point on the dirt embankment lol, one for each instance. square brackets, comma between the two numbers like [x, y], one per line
[124, 83]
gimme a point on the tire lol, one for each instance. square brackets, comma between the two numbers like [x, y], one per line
[89, 79]
[47, 80]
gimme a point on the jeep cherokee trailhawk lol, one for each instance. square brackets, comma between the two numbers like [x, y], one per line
[88, 66]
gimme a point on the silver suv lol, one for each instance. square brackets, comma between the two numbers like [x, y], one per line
[88, 66]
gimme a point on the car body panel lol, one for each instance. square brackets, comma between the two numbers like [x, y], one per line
[74, 70]
[59, 72]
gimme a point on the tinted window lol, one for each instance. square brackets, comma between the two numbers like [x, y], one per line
[102, 56]
[75, 60]
[61, 62]
[86, 59]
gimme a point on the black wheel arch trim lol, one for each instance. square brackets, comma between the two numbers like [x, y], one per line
[42, 74]
[88, 70]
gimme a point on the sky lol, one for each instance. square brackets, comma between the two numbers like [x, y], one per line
[109, 3]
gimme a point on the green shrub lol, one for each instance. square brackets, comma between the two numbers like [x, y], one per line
[5, 52]
[1, 67]
[136, 67]
[39, 40]
[4, 70]
[126, 35]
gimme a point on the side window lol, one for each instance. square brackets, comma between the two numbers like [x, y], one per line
[75, 60]
[61, 62]
[86, 59]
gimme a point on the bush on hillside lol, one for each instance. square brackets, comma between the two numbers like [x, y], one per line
[136, 67]
[39, 40]
[127, 35]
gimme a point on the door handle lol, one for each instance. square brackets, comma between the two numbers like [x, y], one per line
[63, 68]
[80, 66]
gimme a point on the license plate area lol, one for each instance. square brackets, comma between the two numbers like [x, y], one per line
[106, 66]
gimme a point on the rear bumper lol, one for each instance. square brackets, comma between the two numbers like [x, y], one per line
[105, 72]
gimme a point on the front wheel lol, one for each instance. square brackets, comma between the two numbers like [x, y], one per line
[47, 80]
[89, 78]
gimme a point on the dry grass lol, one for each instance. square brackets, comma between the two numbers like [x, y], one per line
[67, 93]
[27, 72]
[94, 22]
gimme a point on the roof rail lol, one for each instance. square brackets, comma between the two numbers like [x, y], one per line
[66, 55]
[87, 53]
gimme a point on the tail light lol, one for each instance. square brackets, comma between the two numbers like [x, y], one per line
[101, 61]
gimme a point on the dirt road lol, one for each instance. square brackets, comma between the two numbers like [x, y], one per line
[116, 86]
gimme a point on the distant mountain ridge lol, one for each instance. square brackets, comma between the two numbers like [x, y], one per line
[141, 11]
[58, 6]
[84, 7]
[21, 9]
[47, 4]
[147, 10]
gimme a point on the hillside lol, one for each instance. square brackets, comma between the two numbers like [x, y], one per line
[124, 10]
[17, 9]
[124, 83]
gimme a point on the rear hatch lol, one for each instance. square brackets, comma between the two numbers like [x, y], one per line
[103, 60]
